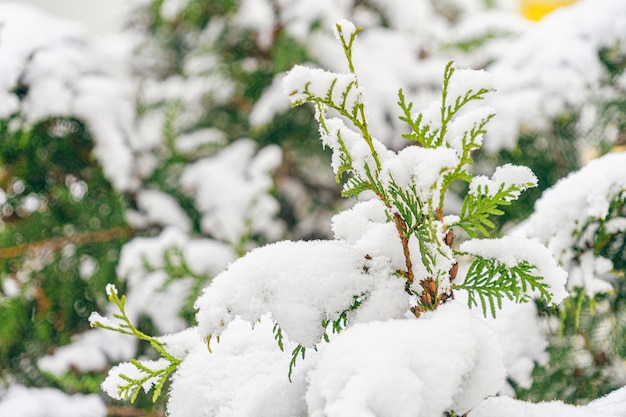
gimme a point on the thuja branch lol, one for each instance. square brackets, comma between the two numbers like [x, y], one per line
[125, 326]
[57, 243]
[401, 227]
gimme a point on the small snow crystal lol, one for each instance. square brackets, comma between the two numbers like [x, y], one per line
[96, 318]
[111, 290]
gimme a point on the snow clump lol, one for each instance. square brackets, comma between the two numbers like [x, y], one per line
[301, 284]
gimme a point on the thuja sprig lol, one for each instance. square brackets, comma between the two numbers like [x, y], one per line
[413, 182]
[336, 326]
[299, 350]
[145, 376]
[487, 195]
[138, 374]
[489, 281]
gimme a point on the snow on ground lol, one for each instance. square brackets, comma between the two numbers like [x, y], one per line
[20, 401]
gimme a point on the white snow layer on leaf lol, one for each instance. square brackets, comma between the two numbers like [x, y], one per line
[366, 226]
[61, 74]
[467, 82]
[20, 401]
[510, 178]
[180, 344]
[117, 375]
[335, 134]
[245, 376]
[231, 190]
[553, 68]
[343, 31]
[565, 209]
[422, 168]
[301, 284]
[446, 360]
[462, 124]
[302, 82]
[512, 250]
[612, 405]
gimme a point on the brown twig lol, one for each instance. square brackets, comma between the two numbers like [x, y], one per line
[401, 227]
[57, 243]
[128, 411]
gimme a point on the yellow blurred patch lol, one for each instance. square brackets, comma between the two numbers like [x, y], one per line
[536, 9]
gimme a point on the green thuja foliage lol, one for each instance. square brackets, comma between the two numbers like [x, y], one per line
[61, 230]
[176, 46]
[568, 143]
[414, 205]
[587, 354]
[412, 192]
[144, 373]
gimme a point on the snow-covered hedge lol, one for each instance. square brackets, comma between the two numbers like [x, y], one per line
[377, 303]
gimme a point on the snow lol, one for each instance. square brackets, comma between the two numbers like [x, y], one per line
[344, 30]
[524, 340]
[91, 351]
[170, 8]
[191, 142]
[257, 15]
[512, 179]
[512, 250]
[553, 68]
[564, 211]
[464, 123]
[366, 226]
[162, 209]
[612, 405]
[61, 71]
[380, 365]
[118, 374]
[300, 284]
[236, 201]
[466, 81]
[421, 168]
[244, 376]
[271, 102]
[446, 360]
[340, 89]
[20, 401]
